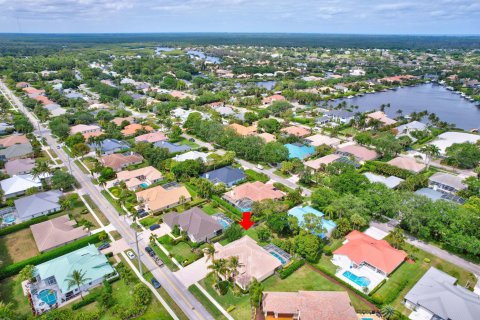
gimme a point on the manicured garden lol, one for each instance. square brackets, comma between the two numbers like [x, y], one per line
[181, 251]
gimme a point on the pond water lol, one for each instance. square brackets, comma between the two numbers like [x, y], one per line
[266, 84]
[201, 55]
[434, 98]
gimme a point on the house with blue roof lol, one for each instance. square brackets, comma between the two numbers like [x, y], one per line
[109, 146]
[172, 147]
[226, 175]
[51, 288]
[300, 212]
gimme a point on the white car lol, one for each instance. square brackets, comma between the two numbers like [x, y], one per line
[131, 255]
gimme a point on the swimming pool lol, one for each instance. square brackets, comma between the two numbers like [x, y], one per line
[224, 223]
[143, 185]
[361, 281]
[48, 296]
[299, 151]
[9, 219]
[279, 257]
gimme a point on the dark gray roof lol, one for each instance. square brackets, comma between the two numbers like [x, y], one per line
[193, 221]
[17, 150]
[436, 291]
[37, 203]
[109, 145]
[172, 147]
[226, 175]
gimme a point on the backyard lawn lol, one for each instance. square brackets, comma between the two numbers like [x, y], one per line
[302, 279]
[149, 220]
[17, 246]
[11, 292]
[210, 209]
[189, 143]
[181, 251]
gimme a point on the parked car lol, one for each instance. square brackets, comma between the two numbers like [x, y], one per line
[155, 283]
[154, 226]
[150, 251]
[104, 246]
[131, 255]
[158, 261]
[142, 214]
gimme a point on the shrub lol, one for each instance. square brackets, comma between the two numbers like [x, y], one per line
[327, 250]
[426, 260]
[222, 287]
[285, 272]
[230, 308]
[141, 294]
[46, 256]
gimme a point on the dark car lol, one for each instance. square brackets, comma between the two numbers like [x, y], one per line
[142, 214]
[154, 227]
[150, 251]
[104, 246]
[155, 283]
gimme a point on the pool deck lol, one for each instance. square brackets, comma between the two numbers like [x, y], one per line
[363, 271]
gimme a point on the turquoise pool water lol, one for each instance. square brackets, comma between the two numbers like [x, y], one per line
[48, 296]
[9, 218]
[144, 185]
[367, 318]
[224, 223]
[279, 257]
[361, 281]
[299, 151]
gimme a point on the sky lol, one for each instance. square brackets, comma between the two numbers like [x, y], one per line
[296, 16]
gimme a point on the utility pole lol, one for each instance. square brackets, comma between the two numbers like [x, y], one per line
[138, 254]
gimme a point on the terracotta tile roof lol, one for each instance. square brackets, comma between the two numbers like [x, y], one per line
[133, 128]
[275, 97]
[407, 164]
[268, 137]
[150, 173]
[158, 198]
[151, 137]
[378, 253]
[43, 100]
[92, 134]
[326, 160]
[13, 139]
[296, 131]
[255, 191]
[362, 153]
[117, 161]
[310, 305]
[382, 117]
[242, 130]
[118, 121]
[32, 90]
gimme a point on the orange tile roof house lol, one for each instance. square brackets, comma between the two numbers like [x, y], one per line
[317, 164]
[360, 153]
[255, 262]
[131, 129]
[308, 305]
[362, 249]
[84, 128]
[382, 117]
[118, 120]
[13, 139]
[158, 198]
[135, 179]
[268, 137]
[151, 137]
[33, 92]
[118, 161]
[252, 192]
[43, 100]
[242, 130]
[275, 97]
[296, 131]
[407, 164]
[56, 232]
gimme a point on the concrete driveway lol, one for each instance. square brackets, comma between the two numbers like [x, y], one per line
[193, 272]
[376, 233]
[117, 246]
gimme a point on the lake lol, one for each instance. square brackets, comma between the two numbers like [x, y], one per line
[201, 55]
[447, 105]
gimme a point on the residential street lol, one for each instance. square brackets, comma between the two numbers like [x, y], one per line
[179, 293]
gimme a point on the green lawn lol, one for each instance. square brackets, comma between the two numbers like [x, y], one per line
[206, 303]
[189, 143]
[148, 221]
[11, 292]
[302, 279]
[281, 174]
[166, 260]
[210, 209]
[82, 168]
[181, 251]
[409, 273]
[253, 175]
[95, 209]
[113, 202]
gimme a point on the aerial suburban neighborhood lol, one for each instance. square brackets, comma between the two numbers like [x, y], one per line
[189, 176]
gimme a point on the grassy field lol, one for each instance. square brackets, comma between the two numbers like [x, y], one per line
[405, 277]
[302, 279]
[210, 209]
[17, 246]
[81, 167]
[95, 209]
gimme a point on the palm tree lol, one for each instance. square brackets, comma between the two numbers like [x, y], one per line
[233, 265]
[430, 152]
[77, 278]
[398, 238]
[87, 225]
[209, 252]
[388, 312]
[41, 167]
[219, 268]
[330, 211]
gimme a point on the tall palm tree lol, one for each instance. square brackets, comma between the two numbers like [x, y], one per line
[219, 268]
[209, 252]
[430, 152]
[77, 278]
[41, 167]
[233, 264]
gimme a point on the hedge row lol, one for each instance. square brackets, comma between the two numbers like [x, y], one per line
[387, 169]
[21, 226]
[90, 298]
[15, 268]
[285, 272]
[227, 206]
[391, 294]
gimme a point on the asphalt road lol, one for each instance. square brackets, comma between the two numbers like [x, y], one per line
[179, 293]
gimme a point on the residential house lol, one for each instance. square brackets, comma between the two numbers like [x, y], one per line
[6, 128]
[192, 155]
[267, 137]
[226, 175]
[172, 147]
[119, 120]
[435, 195]
[361, 154]
[33, 92]
[308, 305]
[199, 226]
[17, 151]
[109, 146]
[437, 296]
[39, 204]
[409, 128]
[244, 195]
[382, 117]
[447, 139]
[132, 129]
[19, 166]
[22, 85]
[320, 163]
[446, 182]
[296, 131]
[341, 116]
[13, 140]
[55, 109]
[139, 178]
[17, 185]
[323, 120]
[270, 99]
[300, 212]
[390, 182]
[254, 261]
[163, 197]
[407, 164]
[56, 232]
[242, 130]
[85, 129]
[225, 111]
[321, 139]
[53, 275]
[118, 161]
[151, 137]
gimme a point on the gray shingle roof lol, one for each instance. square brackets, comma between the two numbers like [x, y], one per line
[195, 222]
[226, 175]
[17, 150]
[171, 147]
[437, 292]
[37, 203]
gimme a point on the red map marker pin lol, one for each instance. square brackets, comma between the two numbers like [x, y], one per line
[246, 223]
